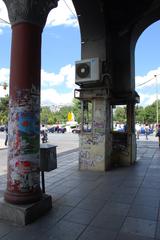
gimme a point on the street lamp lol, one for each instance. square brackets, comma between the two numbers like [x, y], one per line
[156, 97]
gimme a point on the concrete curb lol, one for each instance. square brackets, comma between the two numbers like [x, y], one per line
[3, 148]
[67, 152]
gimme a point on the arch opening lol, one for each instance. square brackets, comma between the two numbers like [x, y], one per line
[147, 72]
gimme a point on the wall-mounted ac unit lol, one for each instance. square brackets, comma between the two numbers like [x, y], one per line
[87, 71]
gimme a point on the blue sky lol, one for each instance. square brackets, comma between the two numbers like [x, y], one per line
[147, 64]
[61, 48]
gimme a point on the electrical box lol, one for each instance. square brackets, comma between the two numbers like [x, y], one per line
[87, 71]
[48, 157]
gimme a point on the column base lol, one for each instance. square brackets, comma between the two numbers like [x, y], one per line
[22, 198]
[24, 214]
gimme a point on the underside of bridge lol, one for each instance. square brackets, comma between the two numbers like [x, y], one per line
[110, 29]
[109, 32]
[106, 76]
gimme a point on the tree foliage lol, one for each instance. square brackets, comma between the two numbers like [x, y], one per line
[139, 114]
[76, 109]
[4, 106]
[120, 114]
[49, 117]
[146, 114]
[46, 116]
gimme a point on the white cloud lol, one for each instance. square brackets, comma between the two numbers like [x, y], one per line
[4, 75]
[65, 81]
[147, 99]
[49, 82]
[4, 78]
[68, 72]
[61, 15]
[148, 87]
[52, 97]
[3, 92]
[148, 79]
[3, 15]
[65, 75]
[50, 79]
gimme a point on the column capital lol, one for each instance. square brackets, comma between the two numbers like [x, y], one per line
[31, 11]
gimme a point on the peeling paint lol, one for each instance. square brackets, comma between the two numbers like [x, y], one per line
[23, 149]
[92, 145]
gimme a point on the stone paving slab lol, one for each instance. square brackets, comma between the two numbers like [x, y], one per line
[2, 145]
[122, 204]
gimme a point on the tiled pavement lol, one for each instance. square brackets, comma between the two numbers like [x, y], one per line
[122, 204]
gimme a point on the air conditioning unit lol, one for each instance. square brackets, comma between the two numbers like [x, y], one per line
[87, 71]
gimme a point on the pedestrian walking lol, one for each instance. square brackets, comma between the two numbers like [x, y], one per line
[158, 134]
[44, 135]
[138, 129]
[146, 131]
[6, 139]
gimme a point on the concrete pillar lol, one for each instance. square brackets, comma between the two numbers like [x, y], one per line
[94, 154]
[28, 19]
[93, 144]
[122, 55]
[131, 117]
[131, 133]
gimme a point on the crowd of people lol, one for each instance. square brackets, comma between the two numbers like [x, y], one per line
[145, 129]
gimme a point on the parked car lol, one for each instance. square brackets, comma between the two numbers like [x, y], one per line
[61, 130]
[57, 129]
[51, 130]
[2, 128]
[76, 130]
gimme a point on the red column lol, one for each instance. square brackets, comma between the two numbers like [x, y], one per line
[23, 180]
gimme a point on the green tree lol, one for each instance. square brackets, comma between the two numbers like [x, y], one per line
[63, 113]
[4, 106]
[120, 114]
[142, 115]
[46, 116]
[151, 112]
[139, 114]
[76, 109]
